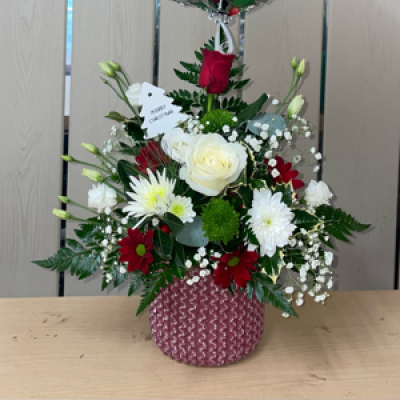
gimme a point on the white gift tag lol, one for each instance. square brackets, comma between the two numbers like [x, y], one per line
[160, 115]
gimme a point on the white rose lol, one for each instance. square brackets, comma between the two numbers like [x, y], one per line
[133, 93]
[212, 163]
[101, 196]
[175, 144]
[317, 193]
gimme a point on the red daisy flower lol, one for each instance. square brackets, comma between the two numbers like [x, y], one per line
[135, 249]
[152, 156]
[286, 173]
[235, 266]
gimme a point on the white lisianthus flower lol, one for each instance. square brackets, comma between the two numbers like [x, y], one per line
[295, 106]
[150, 196]
[175, 144]
[317, 193]
[212, 163]
[182, 207]
[101, 196]
[133, 93]
[270, 221]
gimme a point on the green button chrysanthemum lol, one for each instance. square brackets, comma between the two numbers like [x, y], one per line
[215, 120]
[220, 221]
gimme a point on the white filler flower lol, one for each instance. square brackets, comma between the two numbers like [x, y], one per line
[212, 163]
[317, 193]
[270, 221]
[175, 144]
[150, 196]
[182, 207]
[101, 196]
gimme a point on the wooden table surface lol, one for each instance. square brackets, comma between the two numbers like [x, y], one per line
[95, 348]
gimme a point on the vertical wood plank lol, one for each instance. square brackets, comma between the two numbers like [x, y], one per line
[102, 29]
[362, 126]
[31, 114]
[183, 30]
[274, 34]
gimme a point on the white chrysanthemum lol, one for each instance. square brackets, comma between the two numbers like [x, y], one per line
[182, 207]
[270, 221]
[150, 196]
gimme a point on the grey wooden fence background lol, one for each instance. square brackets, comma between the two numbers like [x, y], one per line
[361, 123]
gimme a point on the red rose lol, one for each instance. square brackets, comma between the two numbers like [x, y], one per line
[214, 72]
[152, 156]
[235, 266]
[136, 250]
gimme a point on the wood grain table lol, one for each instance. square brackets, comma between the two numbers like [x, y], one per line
[95, 348]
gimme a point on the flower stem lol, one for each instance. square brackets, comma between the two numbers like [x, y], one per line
[125, 77]
[288, 95]
[117, 79]
[210, 99]
[91, 165]
[82, 206]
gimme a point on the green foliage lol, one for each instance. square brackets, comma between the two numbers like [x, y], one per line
[233, 104]
[163, 244]
[246, 194]
[174, 223]
[192, 234]
[271, 265]
[187, 100]
[294, 256]
[215, 120]
[125, 170]
[250, 111]
[288, 193]
[116, 116]
[178, 255]
[304, 219]
[152, 286]
[220, 220]
[267, 292]
[338, 223]
[136, 282]
[80, 261]
[134, 130]
[191, 77]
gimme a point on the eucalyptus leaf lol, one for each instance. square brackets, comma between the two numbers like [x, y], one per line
[192, 234]
[275, 122]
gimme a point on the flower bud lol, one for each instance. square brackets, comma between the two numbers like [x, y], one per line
[106, 69]
[295, 106]
[302, 67]
[67, 158]
[63, 199]
[91, 148]
[62, 214]
[115, 66]
[294, 62]
[92, 175]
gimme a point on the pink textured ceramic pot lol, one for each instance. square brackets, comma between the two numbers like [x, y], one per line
[203, 324]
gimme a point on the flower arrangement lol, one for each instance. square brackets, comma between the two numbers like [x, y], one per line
[212, 197]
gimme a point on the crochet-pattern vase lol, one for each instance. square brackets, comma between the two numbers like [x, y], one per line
[203, 324]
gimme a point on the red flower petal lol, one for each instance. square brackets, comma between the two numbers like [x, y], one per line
[214, 72]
